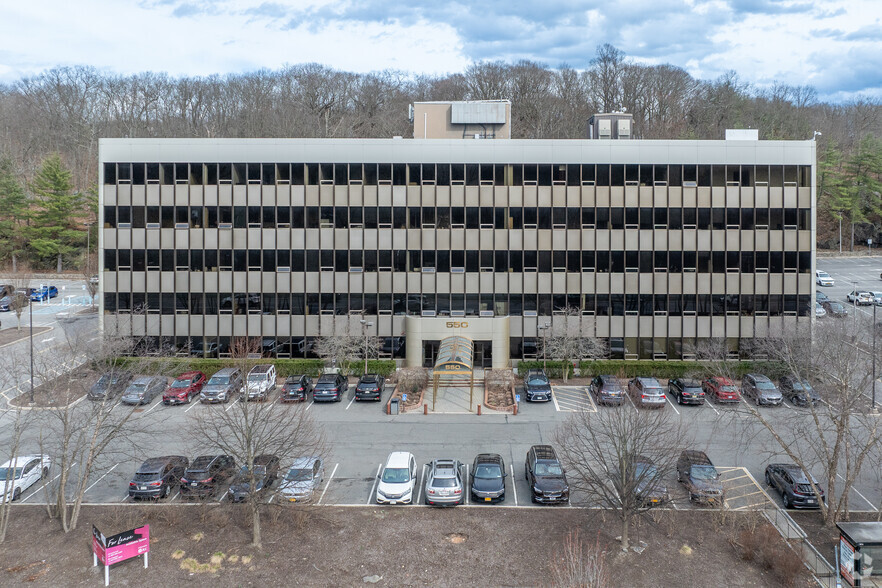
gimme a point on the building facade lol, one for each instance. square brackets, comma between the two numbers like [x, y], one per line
[657, 244]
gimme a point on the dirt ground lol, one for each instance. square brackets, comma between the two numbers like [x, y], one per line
[60, 392]
[333, 546]
[825, 538]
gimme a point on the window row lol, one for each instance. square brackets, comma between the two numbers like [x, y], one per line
[447, 174]
[456, 261]
[455, 217]
[499, 304]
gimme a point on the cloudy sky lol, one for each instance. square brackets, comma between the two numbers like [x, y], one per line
[834, 45]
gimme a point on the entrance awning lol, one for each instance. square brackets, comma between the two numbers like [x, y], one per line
[455, 357]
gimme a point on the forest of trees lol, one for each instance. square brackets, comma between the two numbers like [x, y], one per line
[56, 119]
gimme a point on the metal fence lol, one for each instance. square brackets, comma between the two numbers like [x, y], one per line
[820, 568]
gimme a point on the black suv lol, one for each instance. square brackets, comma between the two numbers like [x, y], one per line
[536, 386]
[798, 391]
[607, 390]
[370, 387]
[206, 473]
[296, 388]
[696, 471]
[266, 472]
[686, 391]
[761, 389]
[794, 486]
[547, 479]
[488, 475]
[330, 387]
[156, 476]
[109, 385]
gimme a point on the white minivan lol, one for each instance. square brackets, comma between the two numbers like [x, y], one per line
[397, 479]
[261, 381]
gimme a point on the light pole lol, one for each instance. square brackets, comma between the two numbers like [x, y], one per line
[874, 355]
[31, 317]
[365, 325]
[544, 328]
[89, 226]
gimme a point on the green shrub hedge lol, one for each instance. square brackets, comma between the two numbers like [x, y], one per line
[553, 369]
[173, 366]
[678, 369]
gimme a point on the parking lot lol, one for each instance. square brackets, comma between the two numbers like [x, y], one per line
[361, 435]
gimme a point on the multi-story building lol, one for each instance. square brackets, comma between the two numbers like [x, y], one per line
[658, 244]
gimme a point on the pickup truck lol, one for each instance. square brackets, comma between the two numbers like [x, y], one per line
[696, 471]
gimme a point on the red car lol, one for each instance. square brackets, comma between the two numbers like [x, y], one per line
[185, 387]
[721, 389]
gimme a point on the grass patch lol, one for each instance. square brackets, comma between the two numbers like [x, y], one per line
[178, 554]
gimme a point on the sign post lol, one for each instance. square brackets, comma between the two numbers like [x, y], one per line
[119, 547]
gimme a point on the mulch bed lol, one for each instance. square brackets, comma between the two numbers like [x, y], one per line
[413, 402]
[61, 391]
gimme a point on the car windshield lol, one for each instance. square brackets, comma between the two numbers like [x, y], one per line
[836, 306]
[763, 385]
[181, 384]
[548, 469]
[537, 380]
[259, 470]
[488, 471]
[645, 471]
[823, 274]
[396, 475]
[219, 380]
[10, 473]
[137, 387]
[298, 475]
[796, 385]
[704, 472]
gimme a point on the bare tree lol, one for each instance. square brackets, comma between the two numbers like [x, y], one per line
[83, 437]
[13, 445]
[577, 565]
[620, 458]
[567, 341]
[251, 429]
[19, 299]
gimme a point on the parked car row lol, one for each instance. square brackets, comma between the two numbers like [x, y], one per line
[446, 485]
[230, 384]
[649, 393]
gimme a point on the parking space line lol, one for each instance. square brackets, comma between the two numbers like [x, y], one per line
[310, 405]
[861, 495]
[467, 487]
[178, 493]
[126, 497]
[350, 403]
[232, 402]
[373, 494]
[328, 483]
[672, 404]
[628, 396]
[101, 478]
[420, 474]
[554, 398]
[514, 486]
[47, 482]
[192, 405]
[707, 403]
[151, 408]
[224, 495]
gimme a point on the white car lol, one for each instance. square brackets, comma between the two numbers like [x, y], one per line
[823, 278]
[397, 479]
[261, 382]
[877, 298]
[860, 298]
[819, 310]
[19, 474]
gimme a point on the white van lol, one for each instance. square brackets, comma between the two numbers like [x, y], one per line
[261, 381]
[397, 479]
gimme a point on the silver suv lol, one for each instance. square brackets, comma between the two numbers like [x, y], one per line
[444, 486]
[761, 389]
[647, 392]
[222, 386]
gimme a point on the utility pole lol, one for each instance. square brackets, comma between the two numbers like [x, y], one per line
[31, 315]
[365, 325]
[874, 355]
[544, 328]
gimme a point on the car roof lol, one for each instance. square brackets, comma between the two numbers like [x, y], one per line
[328, 378]
[189, 375]
[488, 458]
[648, 381]
[723, 380]
[795, 472]
[202, 461]
[759, 377]
[370, 378]
[398, 459]
[152, 463]
[21, 460]
[302, 463]
[696, 456]
[294, 378]
[261, 368]
[689, 382]
[444, 468]
[535, 371]
[225, 371]
[265, 459]
[544, 452]
[144, 380]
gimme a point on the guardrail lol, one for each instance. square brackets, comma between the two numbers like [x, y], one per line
[822, 571]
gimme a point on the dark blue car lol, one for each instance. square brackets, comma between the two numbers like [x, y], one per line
[44, 293]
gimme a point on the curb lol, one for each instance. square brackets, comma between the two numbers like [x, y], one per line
[25, 337]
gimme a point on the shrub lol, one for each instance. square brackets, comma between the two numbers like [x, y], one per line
[677, 369]
[553, 369]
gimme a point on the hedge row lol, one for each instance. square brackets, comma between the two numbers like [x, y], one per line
[173, 366]
[554, 369]
[678, 369]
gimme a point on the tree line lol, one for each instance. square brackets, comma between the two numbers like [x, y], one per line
[66, 110]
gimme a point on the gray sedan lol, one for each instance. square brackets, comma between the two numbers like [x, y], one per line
[143, 390]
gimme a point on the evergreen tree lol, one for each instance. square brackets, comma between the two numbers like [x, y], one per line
[14, 213]
[863, 176]
[54, 231]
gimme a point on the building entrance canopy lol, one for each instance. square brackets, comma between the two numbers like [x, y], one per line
[455, 356]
